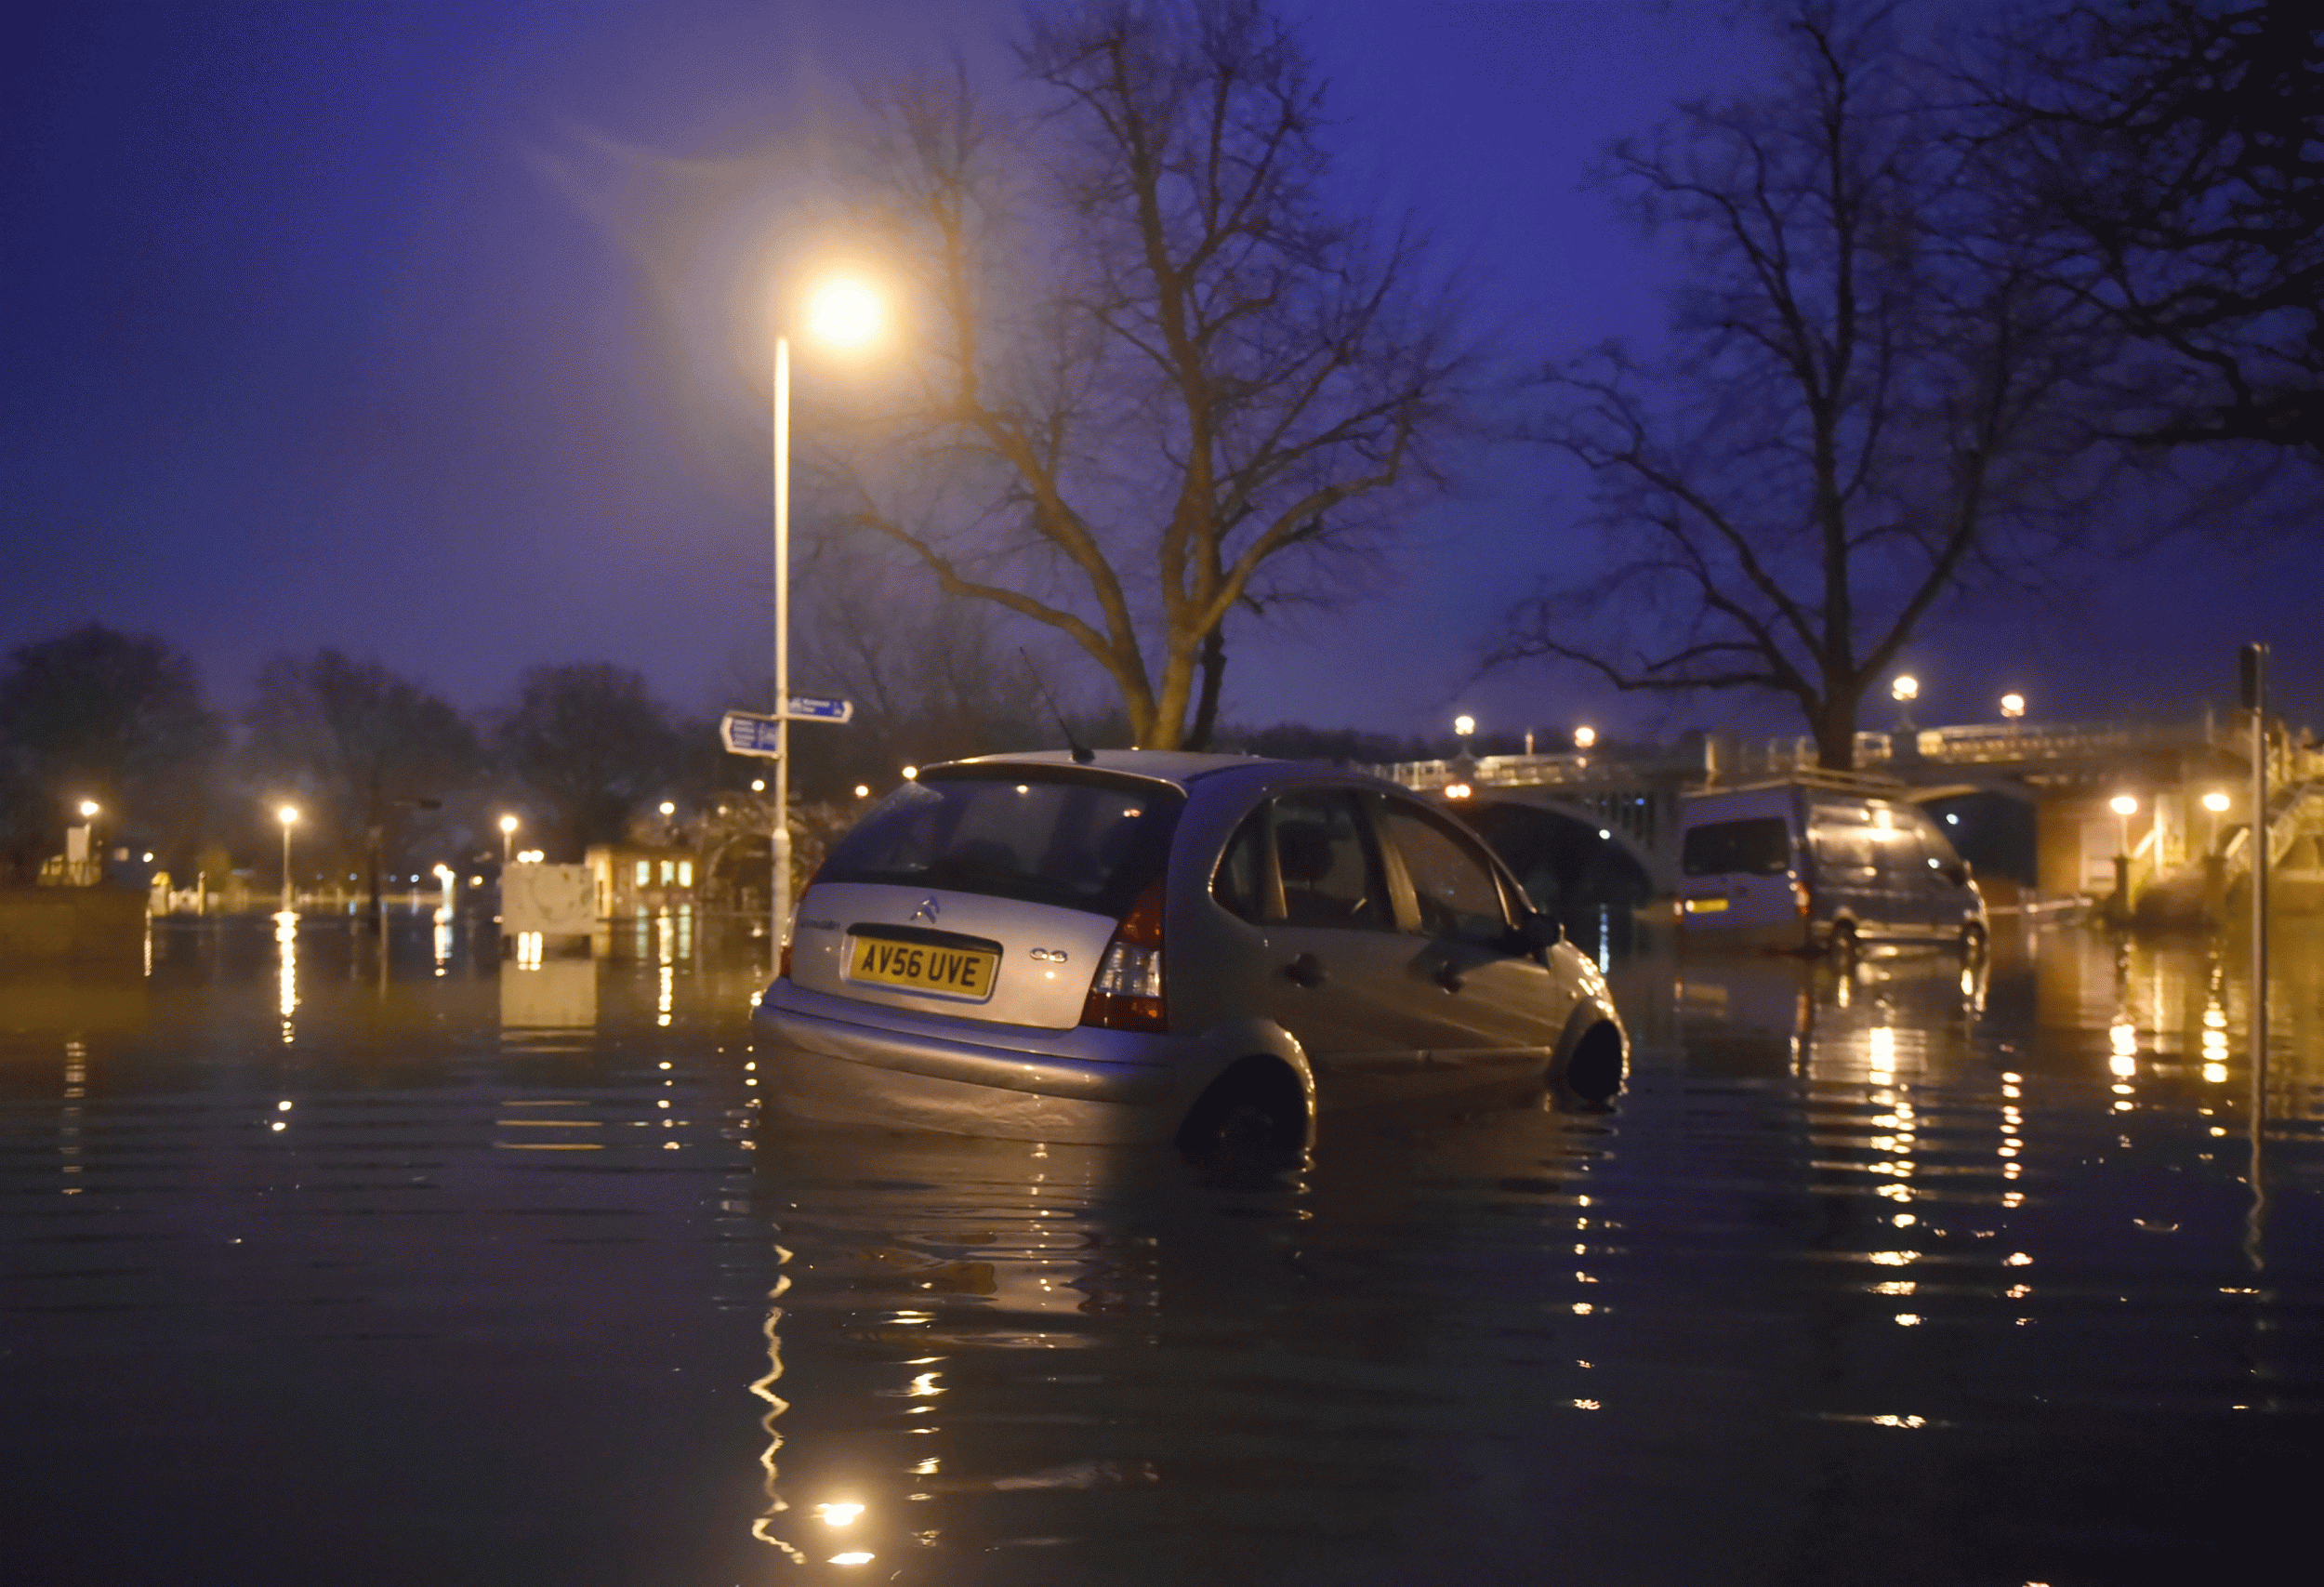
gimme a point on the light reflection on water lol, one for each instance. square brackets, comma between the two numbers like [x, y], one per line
[1860, 1269]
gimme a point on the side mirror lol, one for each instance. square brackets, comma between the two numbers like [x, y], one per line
[1540, 933]
[1958, 873]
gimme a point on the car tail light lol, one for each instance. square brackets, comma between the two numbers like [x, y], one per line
[1127, 992]
[1802, 899]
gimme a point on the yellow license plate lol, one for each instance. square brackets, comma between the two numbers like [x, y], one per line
[1705, 905]
[949, 971]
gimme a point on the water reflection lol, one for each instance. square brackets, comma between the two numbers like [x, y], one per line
[1855, 1256]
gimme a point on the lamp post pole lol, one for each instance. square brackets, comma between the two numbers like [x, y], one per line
[781, 838]
[288, 815]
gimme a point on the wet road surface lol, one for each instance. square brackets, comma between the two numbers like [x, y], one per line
[462, 1271]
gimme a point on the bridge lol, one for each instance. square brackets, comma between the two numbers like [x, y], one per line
[2185, 852]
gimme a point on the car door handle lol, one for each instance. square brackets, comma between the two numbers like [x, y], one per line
[1307, 970]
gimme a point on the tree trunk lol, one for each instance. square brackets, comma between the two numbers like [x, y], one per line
[1836, 730]
[1213, 677]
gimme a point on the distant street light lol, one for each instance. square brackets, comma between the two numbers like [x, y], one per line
[2124, 807]
[863, 790]
[1584, 737]
[507, 837]
[911, 773]
[2013, 705]
[288, 816]
[843, 312]
[669, 808]
[2216, 803]
[1905, 690]
[1464, 725]
[88, 809]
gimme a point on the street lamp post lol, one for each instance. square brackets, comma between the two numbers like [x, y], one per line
[288, 815]
[844, 311]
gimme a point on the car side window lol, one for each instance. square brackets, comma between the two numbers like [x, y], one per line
[1243, 884]
[1459, 896]
[1330, 876]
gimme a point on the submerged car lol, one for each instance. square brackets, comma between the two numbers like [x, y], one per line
[1148, 946]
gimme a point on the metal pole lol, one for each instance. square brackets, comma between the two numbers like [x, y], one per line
[781, 902]
[2255, 691]
[287, 876]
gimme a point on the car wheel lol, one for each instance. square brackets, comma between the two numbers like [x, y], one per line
[1253, 1115]
[1594, 1071]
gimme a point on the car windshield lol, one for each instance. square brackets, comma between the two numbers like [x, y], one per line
[1761, 847]
[1081, 839]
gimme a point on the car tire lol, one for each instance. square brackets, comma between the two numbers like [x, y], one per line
[1253, 1115]
[1594, 1071]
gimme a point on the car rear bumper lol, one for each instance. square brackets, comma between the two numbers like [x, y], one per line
[1090, 1087]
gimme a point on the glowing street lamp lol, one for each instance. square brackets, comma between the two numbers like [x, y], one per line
[288, 816]
[2013, 705]
[1584, 737]
[2124, 806]
[507, 837]
[844, 311]
[2216, 803]
[88, 809]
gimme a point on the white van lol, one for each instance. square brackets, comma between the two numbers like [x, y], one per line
[1818, 861]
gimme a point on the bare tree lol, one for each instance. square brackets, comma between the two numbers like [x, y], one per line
[1871, 398]
[2171, 154]
[372, 747]
[1164, 374]
[590, 742]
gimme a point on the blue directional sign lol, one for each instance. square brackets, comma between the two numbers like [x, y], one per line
[748, 732]
[753, 732]
[819, 707]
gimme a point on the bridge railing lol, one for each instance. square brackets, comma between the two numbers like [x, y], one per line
[1973, 743]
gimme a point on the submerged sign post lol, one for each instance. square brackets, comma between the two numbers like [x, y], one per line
[754, 733]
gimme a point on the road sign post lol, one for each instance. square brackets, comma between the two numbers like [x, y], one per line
[754, 733]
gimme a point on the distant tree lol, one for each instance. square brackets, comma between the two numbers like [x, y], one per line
[371, 748]
[1873, 397]
[101, 715]
[590, 742]
[2171, 153]
[1166, 373]
[932, 678]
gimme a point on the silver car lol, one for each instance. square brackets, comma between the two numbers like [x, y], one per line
[1147, 945]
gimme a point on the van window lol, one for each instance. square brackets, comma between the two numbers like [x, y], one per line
[1758, 847]
[1840, 850]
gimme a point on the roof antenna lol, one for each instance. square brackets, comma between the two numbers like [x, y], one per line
[1083, 754]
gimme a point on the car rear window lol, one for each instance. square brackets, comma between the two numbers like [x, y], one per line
[1082, 840]
[1759, 847]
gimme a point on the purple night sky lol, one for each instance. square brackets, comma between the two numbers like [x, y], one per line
[411, 330]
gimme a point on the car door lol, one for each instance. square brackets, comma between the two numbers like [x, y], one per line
[1482, 1003]
[1305, 869]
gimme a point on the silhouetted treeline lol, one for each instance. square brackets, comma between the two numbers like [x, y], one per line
[390, 779]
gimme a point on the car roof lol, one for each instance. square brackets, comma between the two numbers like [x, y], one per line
[1175, 766]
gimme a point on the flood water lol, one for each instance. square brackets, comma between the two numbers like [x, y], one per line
[454, 1270]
